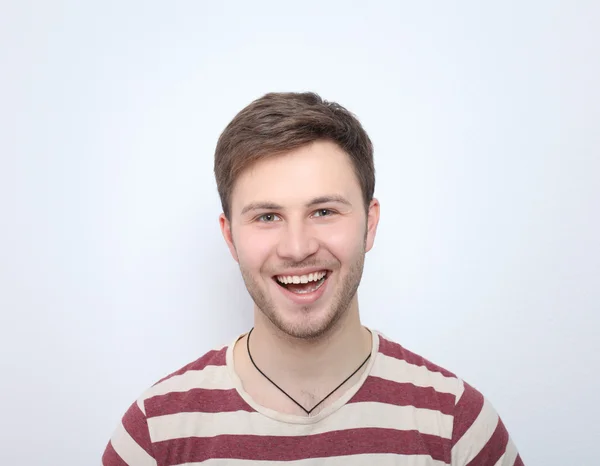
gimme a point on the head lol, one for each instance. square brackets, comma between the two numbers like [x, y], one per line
[296, 179]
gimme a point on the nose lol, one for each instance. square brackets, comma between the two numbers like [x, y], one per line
[297, 242]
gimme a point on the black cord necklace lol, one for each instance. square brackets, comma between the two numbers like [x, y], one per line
[307, 411]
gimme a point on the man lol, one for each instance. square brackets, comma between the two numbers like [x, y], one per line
[308, 384]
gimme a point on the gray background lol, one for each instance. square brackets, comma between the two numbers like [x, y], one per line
[112, 269]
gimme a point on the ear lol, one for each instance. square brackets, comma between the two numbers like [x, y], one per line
[225, 225]
[372, 222]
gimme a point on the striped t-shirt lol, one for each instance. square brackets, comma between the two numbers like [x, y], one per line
[404, 411]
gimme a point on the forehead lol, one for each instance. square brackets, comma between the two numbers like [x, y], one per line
[320, 168]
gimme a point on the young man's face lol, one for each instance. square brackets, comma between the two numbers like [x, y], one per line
[300, 217]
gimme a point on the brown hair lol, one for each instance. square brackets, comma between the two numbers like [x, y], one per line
[280, 122]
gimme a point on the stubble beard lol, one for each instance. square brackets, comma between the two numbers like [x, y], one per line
[307, 327]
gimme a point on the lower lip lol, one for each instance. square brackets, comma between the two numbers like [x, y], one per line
[304, 298]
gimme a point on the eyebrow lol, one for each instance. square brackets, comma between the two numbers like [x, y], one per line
[312, 203]
[331, 198]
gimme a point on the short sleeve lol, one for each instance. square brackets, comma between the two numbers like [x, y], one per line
[130, 444]
[479, 437]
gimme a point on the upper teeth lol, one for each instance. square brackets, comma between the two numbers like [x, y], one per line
[311, 277]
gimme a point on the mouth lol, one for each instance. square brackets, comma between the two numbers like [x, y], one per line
[302, 284]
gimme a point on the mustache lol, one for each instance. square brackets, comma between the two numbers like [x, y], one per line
[329, 265]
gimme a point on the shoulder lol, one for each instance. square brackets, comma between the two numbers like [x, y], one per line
[184, 390]
[399, 364]
[476, 431]
[196, 380]
[216, 357]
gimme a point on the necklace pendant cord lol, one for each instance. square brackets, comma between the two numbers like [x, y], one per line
[307, 411]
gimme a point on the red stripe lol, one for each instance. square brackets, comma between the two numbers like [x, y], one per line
[396, 351]
[111, 458]
[276, 448]
[518, 461]
[135, 424]
[212, 358]
[466, 412]
[380, 390]
[493, 449]
[197, 400]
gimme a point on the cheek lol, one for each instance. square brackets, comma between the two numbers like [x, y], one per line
[253, 248]
[344, 241]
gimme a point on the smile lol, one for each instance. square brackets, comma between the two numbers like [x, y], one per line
[302, 284]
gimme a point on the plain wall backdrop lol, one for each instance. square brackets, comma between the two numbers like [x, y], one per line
[485, 120]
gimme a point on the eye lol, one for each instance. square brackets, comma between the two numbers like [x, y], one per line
[268, 218]
[323, 213]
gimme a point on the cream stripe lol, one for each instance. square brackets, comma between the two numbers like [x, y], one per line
[354, 460]
[397, 370]
[211, 377]
[351, 416]
[129, 450]
[140, 403]
[509, 456]
[216, 377]
[477, 436]
[460, 390]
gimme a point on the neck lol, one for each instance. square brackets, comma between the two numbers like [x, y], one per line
[331, 356]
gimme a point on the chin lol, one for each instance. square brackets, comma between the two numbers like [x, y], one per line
[306, 323]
